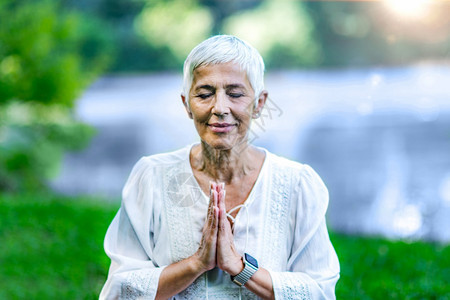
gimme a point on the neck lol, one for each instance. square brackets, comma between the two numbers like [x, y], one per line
[223, 165]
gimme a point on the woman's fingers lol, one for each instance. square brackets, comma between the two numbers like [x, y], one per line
[228, 258]
[212, 203]
[214, 213]
[223, 221]
[217, 191]
[220, 187]
[217, 244]
[208, 244]
[225, 234]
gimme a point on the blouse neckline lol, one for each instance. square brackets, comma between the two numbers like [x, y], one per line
[250, 197]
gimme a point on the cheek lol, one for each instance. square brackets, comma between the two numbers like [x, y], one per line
[244, 116]
[200, 124]
[199, 115]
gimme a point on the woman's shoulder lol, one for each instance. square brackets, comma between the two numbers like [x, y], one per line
[159, 162]
[166, 158]
[152, 168]
[301, 173]
[288, 165]
[302, 178]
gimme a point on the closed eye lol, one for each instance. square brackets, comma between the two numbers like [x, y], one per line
[235, 95]
[204, 96]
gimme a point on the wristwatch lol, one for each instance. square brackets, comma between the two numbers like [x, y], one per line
[251, 266]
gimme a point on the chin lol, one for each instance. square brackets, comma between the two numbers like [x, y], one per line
[219, 144]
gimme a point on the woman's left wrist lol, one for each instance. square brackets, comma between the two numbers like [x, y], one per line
[236, 267]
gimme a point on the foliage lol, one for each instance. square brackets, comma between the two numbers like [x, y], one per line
[178, 25]
[33, 139]
[48, 55]
[132, 51]
[164, 32]
[52, 249]
[282, 32]
[299, 33]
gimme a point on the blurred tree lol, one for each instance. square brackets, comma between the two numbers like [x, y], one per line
[366, 33]
[133, 53]
[346, 33]
[177, 25]
[328, 33]
[48, 55]
[281, 30]
[221, 10]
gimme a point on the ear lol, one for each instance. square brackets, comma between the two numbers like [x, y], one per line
[186, 106]
[260, 104]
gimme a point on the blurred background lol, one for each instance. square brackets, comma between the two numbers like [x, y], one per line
[359, 90]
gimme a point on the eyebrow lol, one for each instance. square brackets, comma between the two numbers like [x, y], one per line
[235, 86]
[206, 87]
[229, 86]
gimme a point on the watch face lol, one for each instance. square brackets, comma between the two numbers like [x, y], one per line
[251, 260]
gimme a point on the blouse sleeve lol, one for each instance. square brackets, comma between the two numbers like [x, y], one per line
[133, 273]
[313, 266]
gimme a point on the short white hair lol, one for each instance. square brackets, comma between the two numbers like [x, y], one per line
[221, 49]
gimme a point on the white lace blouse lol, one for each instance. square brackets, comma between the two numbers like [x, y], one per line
[281, 224]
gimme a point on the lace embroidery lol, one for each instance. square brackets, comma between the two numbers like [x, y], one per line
[277, 216]
[246, 294]
[195, 291]
[140, 284]
[291, 288]
[182, 242]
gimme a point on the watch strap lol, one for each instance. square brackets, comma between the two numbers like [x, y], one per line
[248, 271]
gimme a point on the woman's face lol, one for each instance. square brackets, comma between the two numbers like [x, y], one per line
[221, 103]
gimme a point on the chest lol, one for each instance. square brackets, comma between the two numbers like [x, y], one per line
[237, 191]
[262, 227]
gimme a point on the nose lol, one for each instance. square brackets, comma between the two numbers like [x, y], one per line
[220, 106]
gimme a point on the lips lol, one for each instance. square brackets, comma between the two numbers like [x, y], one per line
[220, 124]
[221, 127]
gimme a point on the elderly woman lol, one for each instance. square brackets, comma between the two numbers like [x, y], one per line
[221, 219]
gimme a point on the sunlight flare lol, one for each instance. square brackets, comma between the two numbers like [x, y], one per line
[409, 8]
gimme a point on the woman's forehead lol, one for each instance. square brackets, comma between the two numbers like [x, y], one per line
[220, 74]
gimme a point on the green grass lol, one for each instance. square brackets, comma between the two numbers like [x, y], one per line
[374, 268]
[52, 248]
